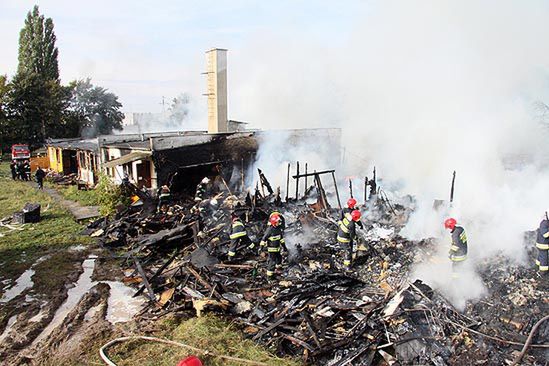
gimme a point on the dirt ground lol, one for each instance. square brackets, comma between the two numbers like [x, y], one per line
[27, 333]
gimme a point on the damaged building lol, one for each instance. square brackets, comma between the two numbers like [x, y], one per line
[181, 160]
[75, 156]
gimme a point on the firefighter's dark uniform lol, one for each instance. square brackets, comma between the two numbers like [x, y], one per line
[164, 198]
[200, 192]
[273, 239]
[458, 250]
[27, 171]
[13, 168]
[238, 235]
[345, 236]
[348, 210]
[39, 175]
[542, 243]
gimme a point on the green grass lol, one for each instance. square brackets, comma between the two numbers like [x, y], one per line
[57, 228]
[210, 333]
[85, 198]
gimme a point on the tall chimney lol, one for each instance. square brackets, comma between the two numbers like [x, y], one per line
[217, 90]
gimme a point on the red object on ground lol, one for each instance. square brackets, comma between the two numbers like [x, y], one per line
[190, 361]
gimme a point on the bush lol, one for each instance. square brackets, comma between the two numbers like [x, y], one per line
[109, 195]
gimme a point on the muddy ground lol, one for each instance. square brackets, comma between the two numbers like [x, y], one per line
[63, 303]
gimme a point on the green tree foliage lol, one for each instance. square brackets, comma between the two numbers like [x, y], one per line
[36, 99]
[4, 114]
[37, 108]
[37, 50]
[94, 109]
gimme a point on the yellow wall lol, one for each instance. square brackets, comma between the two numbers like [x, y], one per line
[56, 159]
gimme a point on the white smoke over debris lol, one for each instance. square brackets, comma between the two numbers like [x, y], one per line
[278, 148]
[422, 89]
[182, 113]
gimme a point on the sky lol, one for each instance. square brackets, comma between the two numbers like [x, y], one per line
[144, 50]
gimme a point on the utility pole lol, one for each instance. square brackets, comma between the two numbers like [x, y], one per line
[163, 104]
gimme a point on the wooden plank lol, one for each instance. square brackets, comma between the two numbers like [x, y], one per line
[144, 277]
[158, 272]
[203, 282]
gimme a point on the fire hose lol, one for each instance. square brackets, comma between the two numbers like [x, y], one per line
[105, 358]
[529, 341]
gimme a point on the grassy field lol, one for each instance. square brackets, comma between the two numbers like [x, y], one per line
[85, 198]
[56, 230]
[208, 333]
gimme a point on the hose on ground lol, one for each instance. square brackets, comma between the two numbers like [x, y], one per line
[529, 341]
[105, 358]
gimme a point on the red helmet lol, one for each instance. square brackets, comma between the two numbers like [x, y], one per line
[355, 215]
[274, 219]
[450, 223]
[351, 202]
[190, 361]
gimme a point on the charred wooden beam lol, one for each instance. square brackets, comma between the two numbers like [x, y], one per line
[144, 277]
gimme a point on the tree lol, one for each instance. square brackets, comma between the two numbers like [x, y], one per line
[36, 108]
[36, 98]
[37, 50]
[94, 109]
[5, 130]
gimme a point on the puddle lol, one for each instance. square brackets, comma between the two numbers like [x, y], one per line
[11, 321]
[38, 317]
[91, 313]
[29, 298]
[74, 295]
[121, 305]
[23, 282]
[77, 248]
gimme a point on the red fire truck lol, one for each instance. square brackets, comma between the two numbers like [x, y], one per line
[20, 151]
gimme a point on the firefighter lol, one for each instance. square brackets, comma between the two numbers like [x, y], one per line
[346, 235]
[351, 206]
[201, 189]
[238, 236]
[13, 168]
[164, 198]
[273, 240]
[27, 170]
[20, 170]
[458, 250]
[39, 176]
[542, 243]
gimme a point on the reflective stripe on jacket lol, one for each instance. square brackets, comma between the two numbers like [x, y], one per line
[273, 237]
[458, 250]
[542, 241]
[237, 230]
[347, 229]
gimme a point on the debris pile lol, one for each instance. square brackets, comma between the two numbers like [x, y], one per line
[313, 309]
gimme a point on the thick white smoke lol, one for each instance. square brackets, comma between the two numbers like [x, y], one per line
[421, 89]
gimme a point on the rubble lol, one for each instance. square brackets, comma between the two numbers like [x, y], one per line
[373, 315]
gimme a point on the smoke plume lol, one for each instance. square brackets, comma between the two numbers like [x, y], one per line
[421, 89]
